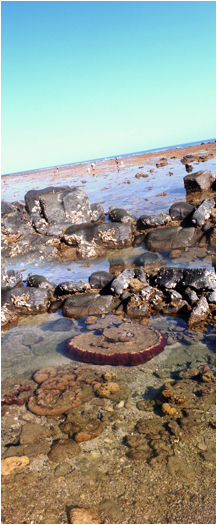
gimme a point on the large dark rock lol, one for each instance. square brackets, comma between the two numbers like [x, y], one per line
[180, 210]
[71, 287]
[167, 277]
[170, 238]
[32, 197]
[76, 205]
[203, 212]
[120, 283]
[113, 235]
[152, 221]
[120, 215]
[78, 305]
[80, 234]
[28, 300]
[199, 181]
[103, 305]
[100, 279]
[52, 208]
[199, 279]
[35, 248]
[39, 281]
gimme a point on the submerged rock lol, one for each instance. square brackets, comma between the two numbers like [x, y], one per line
[117, 345]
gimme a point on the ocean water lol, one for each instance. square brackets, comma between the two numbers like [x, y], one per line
[120, 156]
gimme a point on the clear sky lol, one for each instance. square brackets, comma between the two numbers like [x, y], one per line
[83, 80]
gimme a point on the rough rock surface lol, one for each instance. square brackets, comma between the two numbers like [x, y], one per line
[199, 181]
[152, 221]
[203, 212]
[120, 215]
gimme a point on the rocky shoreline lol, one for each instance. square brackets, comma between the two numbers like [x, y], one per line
[83, 443]
[42, 224]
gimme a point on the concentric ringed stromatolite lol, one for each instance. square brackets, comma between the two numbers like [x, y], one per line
[126, 344]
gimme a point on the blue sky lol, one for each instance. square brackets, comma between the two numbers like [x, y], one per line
[83, 80]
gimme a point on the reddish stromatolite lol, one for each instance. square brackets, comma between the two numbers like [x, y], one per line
[126, 344]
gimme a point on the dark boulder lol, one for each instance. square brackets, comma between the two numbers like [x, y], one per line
[100, 279]
[199, 279]
[152, 221]
[77, 306]
[71, 287]
[28, 300]
[39, 281]
[120, 215]
[79, 234]
[167, 277]
[203, 212]
[15, 225]
[113, 235]
[180, 210]
[76, 205]
[120, 283]
[199, 181]
[52, 208]
[32, 197]
[169, 238]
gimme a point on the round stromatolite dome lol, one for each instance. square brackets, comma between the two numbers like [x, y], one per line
[125, 344]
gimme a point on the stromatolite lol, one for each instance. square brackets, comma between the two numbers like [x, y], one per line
[126, 344]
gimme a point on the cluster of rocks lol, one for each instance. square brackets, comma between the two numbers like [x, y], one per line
[182, 413]
[189, 294]
[60, 222]
[60, 395]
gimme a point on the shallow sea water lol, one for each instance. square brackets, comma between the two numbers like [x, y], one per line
[103, 472]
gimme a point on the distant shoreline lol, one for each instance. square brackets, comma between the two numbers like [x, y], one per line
[123, 155]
